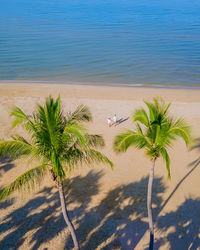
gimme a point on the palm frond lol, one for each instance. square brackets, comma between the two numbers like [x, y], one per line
[51, 115]
[151, 111]
[157, 110]
[129, 138]
[95, 140]
[160, 105]
[181, 129]
[49, 125]
[21, 118]
[166, 158]
[98, 157]
[141, 116]
[139, 129]
[15, 148]
[56, 164]
[81, 114]
[76, 157]
[165, 110]
[26, 181]
[19, 115]
[77, 131]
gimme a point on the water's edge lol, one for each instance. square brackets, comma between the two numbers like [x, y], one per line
[155, 86]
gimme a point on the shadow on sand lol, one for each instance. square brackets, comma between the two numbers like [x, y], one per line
[48, 222]
[118, 221]
[184, 225]
[6, 164]
[121, 120]
[185, 221]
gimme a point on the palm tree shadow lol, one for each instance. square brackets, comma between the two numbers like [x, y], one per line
[5, 204]
[185, 219]
[42, 217]
[196, 147]
[22, 221]
[5, 165]
[114, 223]
[81, 189]
[185, 225]
[118, 221]
[193, 166]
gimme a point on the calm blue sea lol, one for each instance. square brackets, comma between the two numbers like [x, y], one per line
[101, 41]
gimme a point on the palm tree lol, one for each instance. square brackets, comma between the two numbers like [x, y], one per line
[58, 142]
[154, 132]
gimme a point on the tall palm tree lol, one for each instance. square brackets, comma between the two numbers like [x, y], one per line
[58, 142]
[154, 132]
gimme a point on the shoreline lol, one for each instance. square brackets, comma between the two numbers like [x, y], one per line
[128, 85]
[104, 92]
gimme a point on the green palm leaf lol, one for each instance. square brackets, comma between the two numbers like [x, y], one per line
[152, 111]
[166, 158]
[20, 116]
[77, 131]
[95, 140]
[15, 148]
[97, 157]
[81, 114]
[182, 130]
[26, 181]
[141, 116]
[129, 138]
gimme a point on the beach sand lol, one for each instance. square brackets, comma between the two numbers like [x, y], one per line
[108, 207]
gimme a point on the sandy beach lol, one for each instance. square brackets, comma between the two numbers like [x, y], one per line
[108, 207]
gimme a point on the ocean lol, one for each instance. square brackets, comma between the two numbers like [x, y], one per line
[133, 42]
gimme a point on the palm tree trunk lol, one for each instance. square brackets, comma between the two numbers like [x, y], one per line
[66, 216]
[149, 205]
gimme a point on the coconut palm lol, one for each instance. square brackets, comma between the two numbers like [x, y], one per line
[59, 143]
[154, 132]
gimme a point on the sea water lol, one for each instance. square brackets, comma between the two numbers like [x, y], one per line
[151, 42]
